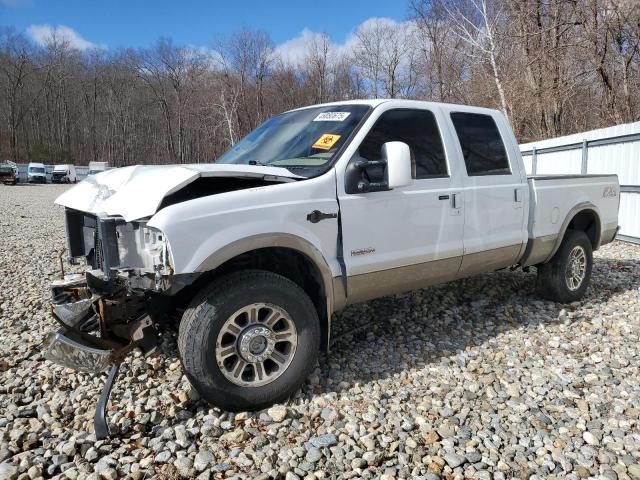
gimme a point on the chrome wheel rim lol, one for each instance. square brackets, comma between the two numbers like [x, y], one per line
[256, 345]
[576, 268]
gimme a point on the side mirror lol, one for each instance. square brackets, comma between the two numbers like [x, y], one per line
[398, 158]
[396, 164]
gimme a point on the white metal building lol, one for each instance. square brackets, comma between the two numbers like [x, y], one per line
[606, 150]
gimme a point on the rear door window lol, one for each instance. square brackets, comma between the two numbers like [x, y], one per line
[482, 146]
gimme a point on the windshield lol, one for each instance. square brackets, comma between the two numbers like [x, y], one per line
[36, 169]
[303, 139]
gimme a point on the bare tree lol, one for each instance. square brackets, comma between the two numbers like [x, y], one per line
[18, 67]
[171, 73]
[317, 67]
[249, 55]
[227, 106]
[556, 67]
[442, 58]
[612, 36]
[479, 24]
[385, 55]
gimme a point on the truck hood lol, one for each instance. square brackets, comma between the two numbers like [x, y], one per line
[137, 192]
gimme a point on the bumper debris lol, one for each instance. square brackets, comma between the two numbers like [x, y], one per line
[99, 328]
[60, 348]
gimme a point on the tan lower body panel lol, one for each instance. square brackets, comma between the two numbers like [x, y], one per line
[489, 260]
[539, 249]
[372, 285]
[608, 235]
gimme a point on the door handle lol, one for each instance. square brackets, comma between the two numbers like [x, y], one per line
[443, 197]
[517, 195]
[455, 200]
[317, 215]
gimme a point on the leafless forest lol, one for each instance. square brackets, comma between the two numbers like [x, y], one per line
[553, 66]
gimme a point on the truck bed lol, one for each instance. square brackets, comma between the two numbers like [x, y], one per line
[554, 200]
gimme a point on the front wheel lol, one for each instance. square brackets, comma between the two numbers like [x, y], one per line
[566, 276]
[249, 340]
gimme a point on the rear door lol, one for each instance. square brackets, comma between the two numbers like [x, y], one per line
[406, 238]
[494, 193]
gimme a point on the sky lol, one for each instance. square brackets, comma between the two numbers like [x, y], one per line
[134, 23]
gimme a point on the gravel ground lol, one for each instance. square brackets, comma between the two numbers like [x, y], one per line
[476, 379]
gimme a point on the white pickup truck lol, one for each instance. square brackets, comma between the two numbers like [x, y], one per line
[316, 209]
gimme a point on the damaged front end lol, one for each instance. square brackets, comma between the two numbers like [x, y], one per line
[116, 305]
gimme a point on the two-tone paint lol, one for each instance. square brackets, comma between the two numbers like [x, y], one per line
[366, 245]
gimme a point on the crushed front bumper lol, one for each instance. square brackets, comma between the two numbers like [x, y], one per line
[60, 347]
[72, 346]
[92, 334]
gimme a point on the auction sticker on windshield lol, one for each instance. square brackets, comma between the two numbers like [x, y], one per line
[326, 141]
[332, 117]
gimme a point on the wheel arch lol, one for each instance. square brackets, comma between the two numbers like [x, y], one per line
[583, 217]
[285, 254]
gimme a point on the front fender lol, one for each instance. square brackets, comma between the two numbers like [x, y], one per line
[275, 239]
[205, 232]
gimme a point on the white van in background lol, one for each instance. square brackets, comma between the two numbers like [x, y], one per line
[97, 167]
[64, 174]
[36, 173]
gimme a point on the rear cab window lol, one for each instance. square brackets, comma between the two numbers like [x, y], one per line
[482, 146]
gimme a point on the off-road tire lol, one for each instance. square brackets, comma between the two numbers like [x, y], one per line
[204, 318]
[551, 282]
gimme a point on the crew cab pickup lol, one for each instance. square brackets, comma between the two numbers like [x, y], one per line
[318, 208]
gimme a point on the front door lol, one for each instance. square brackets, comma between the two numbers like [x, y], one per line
[410, 237]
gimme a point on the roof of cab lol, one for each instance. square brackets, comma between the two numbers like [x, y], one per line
[400, 103]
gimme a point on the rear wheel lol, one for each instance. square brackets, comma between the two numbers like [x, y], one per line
[566, 276]
[249, 340]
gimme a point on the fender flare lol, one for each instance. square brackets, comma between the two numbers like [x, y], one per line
[277, 239]
[579, 208]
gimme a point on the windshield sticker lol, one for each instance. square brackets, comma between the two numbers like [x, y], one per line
[326, 141]
[332, 117]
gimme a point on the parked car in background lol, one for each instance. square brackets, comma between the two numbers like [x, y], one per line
[36, 173]
[97, 167]
[64, 174]
[8, 173]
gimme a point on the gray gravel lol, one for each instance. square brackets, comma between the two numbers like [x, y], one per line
[476, 379]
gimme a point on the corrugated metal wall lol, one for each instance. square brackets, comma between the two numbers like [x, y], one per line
[606, 150]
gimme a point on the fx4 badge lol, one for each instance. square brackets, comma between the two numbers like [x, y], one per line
[609, 191]
[363, 251]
